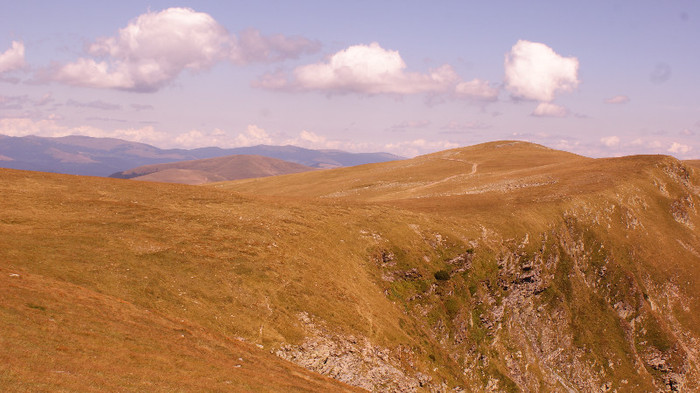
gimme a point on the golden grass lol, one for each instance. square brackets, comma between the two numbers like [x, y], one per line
[127, 267]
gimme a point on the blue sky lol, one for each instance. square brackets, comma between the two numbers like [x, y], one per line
[599, 78]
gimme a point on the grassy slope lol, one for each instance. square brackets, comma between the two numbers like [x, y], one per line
[227, 265]
[626, 205]
[59, 336]
[177, 258]
[215, 169]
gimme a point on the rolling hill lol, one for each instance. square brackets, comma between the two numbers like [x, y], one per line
[82, 155]
[498, 267]
[213, 169]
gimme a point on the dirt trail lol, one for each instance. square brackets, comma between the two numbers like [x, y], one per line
[473, 171]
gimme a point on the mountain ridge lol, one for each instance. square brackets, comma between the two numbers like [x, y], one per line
[82, 155]
[209, 170]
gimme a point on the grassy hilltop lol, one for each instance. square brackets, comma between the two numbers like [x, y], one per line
[504, 266]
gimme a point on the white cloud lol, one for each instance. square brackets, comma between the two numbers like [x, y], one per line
[687, 132]
[679, 148]
[618, 100]
[153, 49]
[13, 58]
[365, 69]
[150, 52]
[147, 134]
[610, 141]
[21, 126]
[253, 135]
[477, 89]
[546, 109]
[534, 71]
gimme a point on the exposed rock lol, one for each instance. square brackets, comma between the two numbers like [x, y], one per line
[355, 361]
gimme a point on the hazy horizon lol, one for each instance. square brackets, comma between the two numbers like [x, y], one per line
[596, 78]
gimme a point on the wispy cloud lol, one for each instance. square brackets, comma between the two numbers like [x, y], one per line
[409, 124]
[620, 99]
[477, 89]
[454, 126]
[98, 104]
[141, 107]
[251, 46]
[13, 102]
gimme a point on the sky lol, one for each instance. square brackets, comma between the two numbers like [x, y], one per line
[597, 78]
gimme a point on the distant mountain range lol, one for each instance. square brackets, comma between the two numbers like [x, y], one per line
[209, 170]
[82, 155]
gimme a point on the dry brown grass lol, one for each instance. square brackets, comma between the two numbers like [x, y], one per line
[63, 337]
[126, 268]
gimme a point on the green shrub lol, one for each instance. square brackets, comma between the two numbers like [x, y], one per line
[442, 275]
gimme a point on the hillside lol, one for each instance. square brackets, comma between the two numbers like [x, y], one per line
[213, 169]
[82, 155]
[498, 267]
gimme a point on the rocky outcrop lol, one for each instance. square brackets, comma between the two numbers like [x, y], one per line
[352, 360]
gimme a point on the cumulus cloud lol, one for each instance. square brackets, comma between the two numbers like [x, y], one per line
[153, 49]
[253, 135]
[13, 58]
[679, 148]
[477, 89]
[366, 69]
[610, 141]
[534, 71]
[150, 52]
[546, 109]
[621, 99]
